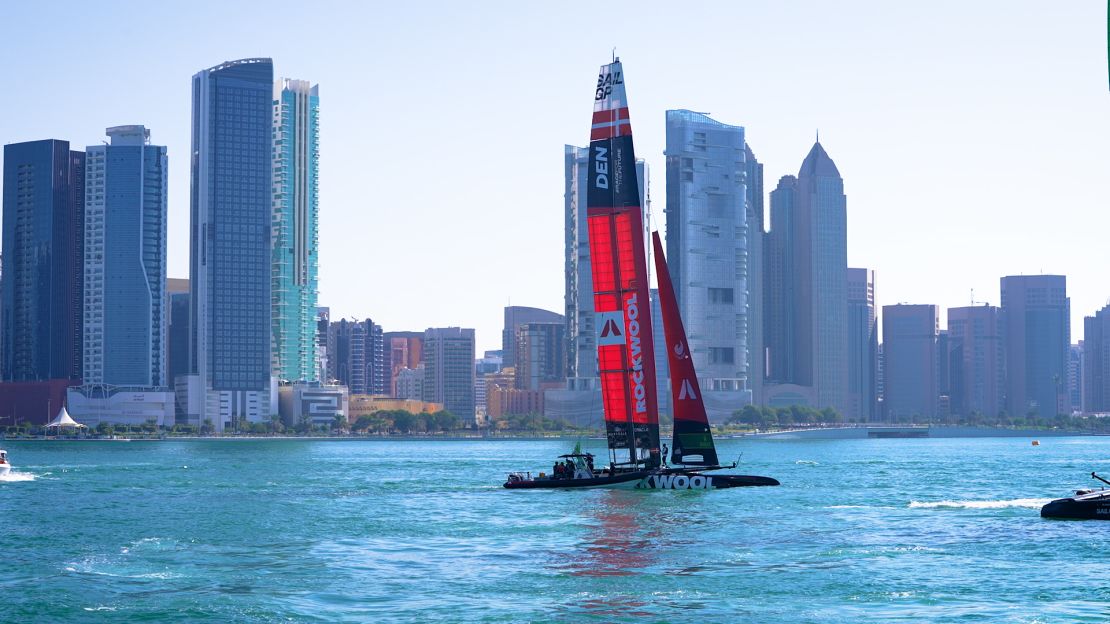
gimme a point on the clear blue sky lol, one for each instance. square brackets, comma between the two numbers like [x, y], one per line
[972, 136]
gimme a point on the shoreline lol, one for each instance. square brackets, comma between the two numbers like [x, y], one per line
[874, 432]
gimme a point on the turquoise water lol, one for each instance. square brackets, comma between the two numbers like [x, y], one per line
[318, 531]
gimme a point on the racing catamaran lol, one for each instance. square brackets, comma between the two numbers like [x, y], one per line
[626, 360]
[626, 364]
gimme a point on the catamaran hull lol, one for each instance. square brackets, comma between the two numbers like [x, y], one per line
[622, 481]
[697, 481]
[1094, 506]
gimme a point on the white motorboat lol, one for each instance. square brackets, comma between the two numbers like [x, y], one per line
[5, 467]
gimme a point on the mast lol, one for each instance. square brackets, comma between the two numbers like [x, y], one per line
[693, 439]
[626, 361]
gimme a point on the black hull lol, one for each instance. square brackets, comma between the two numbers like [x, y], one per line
[1094, 506]
[682, 479]
[623, 480]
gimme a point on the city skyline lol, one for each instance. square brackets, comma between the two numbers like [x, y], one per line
[920, 112]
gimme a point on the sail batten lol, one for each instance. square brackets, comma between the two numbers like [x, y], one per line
[625, 353]
[693, 439]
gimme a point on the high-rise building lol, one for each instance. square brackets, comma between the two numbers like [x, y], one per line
[757, 356]
[707, 244]
[806, 262]
[863, 346]
[230, 255]
[43, 248]
[125, 261]
[449, 370]
[296, 202]
[541, 355]
[579, 293]
[1075, 378]
[910, 361]
[1037, 319]
[780, 322]
[977, 364]
[359, 355]
[515, 316]
[1096, 362]
[177, 331]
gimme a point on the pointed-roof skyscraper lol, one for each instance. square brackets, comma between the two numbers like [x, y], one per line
[808, 266]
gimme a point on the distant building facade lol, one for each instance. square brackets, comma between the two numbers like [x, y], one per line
[1075, 377]
[757, 352]
[910, 361]
[230, 251]
[410, 384]
[515, 316]
[1037, 319]
[41, 289]
[1096, 362]
[359, 354]
[295, 248]
[403, 350]
[977, 363]
[541, 355]
[449, 370]
[863, 347]
[313, 404]
[177, 329]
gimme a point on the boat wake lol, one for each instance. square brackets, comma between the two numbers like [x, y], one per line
[1032, 503]
[13, 477]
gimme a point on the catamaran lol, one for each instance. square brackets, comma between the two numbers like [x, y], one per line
[625, 353]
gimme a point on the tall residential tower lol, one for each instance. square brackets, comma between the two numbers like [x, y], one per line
[125, 261]
[230, 252]
[295, 222]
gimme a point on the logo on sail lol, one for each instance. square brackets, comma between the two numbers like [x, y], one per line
[680, 349]
[611, 326]
[686, 393]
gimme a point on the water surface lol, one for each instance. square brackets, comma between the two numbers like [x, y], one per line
[942, 530]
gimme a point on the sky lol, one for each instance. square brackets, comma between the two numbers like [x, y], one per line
[972, 136]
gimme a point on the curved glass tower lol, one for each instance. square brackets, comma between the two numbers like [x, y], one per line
[295, 223]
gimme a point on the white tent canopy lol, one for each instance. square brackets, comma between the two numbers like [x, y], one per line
[63, 419]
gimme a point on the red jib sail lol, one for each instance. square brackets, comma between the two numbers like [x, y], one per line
[623, 323]
[693, 440]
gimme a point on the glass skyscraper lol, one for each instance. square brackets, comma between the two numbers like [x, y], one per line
[707, 244]
[295, 223]
[807, 269]
[230, 263]
[41, 289]
[125, 261]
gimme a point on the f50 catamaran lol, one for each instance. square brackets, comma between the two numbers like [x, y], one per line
[625, 353]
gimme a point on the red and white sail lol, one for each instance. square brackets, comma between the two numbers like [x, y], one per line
[626, 361]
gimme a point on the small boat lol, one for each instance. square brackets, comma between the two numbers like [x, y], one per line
[1085, 505]
[5, 467]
